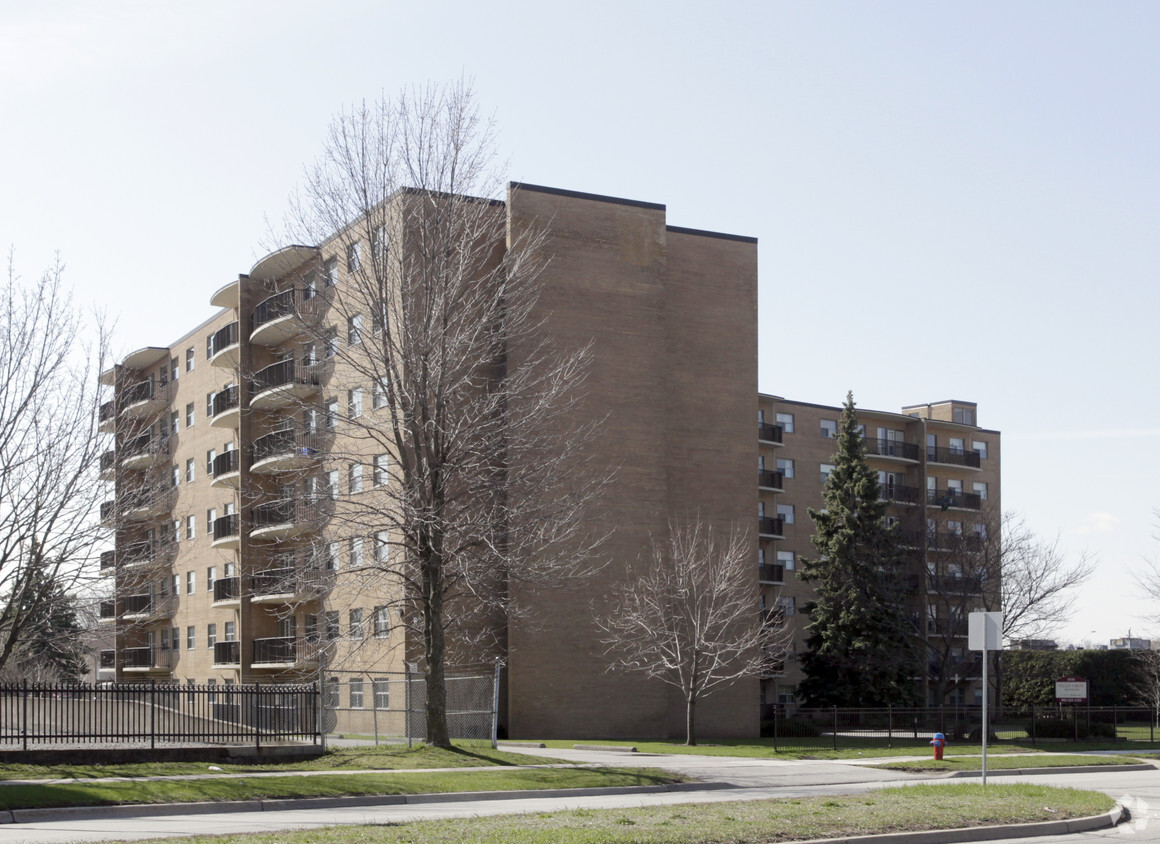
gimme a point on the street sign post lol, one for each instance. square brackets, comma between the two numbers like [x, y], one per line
[985, 633]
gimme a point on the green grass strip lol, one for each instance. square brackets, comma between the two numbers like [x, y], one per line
[910, 808]
[1001, 763]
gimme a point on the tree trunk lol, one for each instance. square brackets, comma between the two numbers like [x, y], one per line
[435, 646]
[690, 713]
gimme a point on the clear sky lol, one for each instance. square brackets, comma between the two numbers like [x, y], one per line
[952, 200]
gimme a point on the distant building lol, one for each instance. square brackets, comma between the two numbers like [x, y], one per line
[1036, 645]
[1130, 643]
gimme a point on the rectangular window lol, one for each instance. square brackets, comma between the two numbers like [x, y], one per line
[381, 689]
[380, 478]
[231, 631]
[356, 693]
[210, 518]
[189, 360]
[956, 445]
[785, 511]
[382, 622]
[190, 638]
[331, 270]
[309, 286]
[354, 402]
[354, 257]
[354, 330]
[189, 415]
[955, 528]
[785, 559]
[980, 489]
[829, 429]
[189, 470]
[826, 469]
[209, 405]
[331, 552]
[174, 421]
[964, 416]
[210, 577]
[190, 527]
[176, 530]
[787, 605]
[332, 629]
[981, 447]
[355, 477]
[785, 420]
[332, 413]
[378, 394]
[331, 341]
[210, 636]
[190, 582]
[174, 476]
[332, 483]
[355, 547]
[785, 467]
[356, 621]
[382, 546]
[173, 369]
[209, 457]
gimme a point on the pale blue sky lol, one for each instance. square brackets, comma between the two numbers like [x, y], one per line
[952, 200]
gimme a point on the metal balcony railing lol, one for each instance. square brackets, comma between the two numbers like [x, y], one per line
[769, 433]
[107, 412]
[283, 512]
[284, 441]
[278, 649]
[891, 448]
[224, 400]
[955, 585]
[770, 479]
[227, 653]
[770, 574]
[954, 498]
[770, 525]
[107, 609]
[223, 338]
[282, 373]
[279, 305]
[225, 526]
[139, 392]
[227, 589]
[900, 493]
[137, 605]
[227, 462]
[952, 456]
[137, 657]
[945, 541]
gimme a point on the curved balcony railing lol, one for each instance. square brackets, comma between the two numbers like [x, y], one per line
[108, 562]
[891, 448]
[226, 589]
[271, 308]
[946, 541]
[140, 392]
[107, 416]
[284, 441]
[140, 658]
[223, 339]
[225, 400]
[283, 373]
[226, 463]
[226, 527]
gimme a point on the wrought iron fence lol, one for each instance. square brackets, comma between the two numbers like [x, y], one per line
[37, 715]
[835, 728]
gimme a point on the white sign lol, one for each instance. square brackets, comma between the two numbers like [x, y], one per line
[985, 631]
[1071, 690]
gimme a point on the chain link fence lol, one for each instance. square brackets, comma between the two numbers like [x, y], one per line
[364, 708]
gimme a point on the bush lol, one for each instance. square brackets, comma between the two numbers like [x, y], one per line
[1065, 728]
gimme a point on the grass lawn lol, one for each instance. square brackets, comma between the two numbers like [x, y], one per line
[221, 788]
[465, 754]
[917, 807]
[999, 763]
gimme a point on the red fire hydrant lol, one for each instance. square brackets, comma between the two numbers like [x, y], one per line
[938, 743]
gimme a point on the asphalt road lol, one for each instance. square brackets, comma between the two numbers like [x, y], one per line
[737, 779]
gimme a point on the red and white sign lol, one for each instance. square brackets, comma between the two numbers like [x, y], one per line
[1071, 690]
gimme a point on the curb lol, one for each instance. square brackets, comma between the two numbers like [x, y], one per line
[610, 748]
[1070, 769]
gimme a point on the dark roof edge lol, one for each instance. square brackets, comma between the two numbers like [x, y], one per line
[703, 233]
[594, 197]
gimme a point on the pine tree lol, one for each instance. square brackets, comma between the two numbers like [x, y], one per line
[862, 650]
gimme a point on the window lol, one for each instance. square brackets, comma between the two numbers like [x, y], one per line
[190, 638]
[955, 528]
[331, 341]
[354, 402]
[173, 369]
[785, 559]
[826, 469]
[190, 527]
[785, 511]
[785, 467]
[311, 627]
[332, 630]
[964, 416]
[382, 622]
[330, 556]
[356, 693]
[331, 270]
[981, 447]
[382, 546]
[829, 429]
[174, 476]
[209, 457]
[332, 483]
[310, 421]
[354, 257]
[210, 518]
[210, 636]
[189, 471]
[189, 360]
[379, 243]
[174, 419]
[378, 394]
[356, 628]
[354, 330]
[231, 631]
[355, 547]
[331, 413]
[309, 286]
[954, 488]
[380, 478]
[761, 556]
[210, 577]
[785, 420]
[189, 415]
[190, 582]
[176, 580]
[381, 689]
[787, 606]
[331, 700]
[956, 445]
[354, 477]
[176, 530]
[980, 489]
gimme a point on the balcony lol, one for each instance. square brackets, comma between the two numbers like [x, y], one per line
[143, 399]
[226, 408]
[892, 450]
[226, 532]
[108, 465]
[108, 660]
[107, 611]
[144, 451]
[227, 590]
[226, 469]
[770, 574]
[944, 541]
[109, 513]
[108, 562]
[227, 653]
[282, 384]
[107, 417]
[770, 434]
[146, 503]
[137, 607]
[956, 498]
[279, 520]
[145, 554]
[145, 659]
[952, 456]
[769, 480]
[770, 526]
[278, 652]
[287, 450]
[900, 493]
[279, 317]
[947, 584]
[223, 347]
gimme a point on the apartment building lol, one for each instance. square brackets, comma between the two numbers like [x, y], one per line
[230, 563]
[940, 472]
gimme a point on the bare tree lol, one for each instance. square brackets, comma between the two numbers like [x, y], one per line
[452, 395]
[1146, 680]
[1004, 566]
[689, 616]
[49, 455]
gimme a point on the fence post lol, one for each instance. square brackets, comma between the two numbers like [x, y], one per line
[375, 709]
[407, 698]
[835, 728]
[1115, 722]
[890, 723]
[495, 708]
[24, 713]
[257, 710]
[152, 714]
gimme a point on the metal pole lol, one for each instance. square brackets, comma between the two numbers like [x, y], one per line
[495, 709]
[986, 694]
[835, 728]
[24, 713]
[152, 714]
[257, 715]
[407, 699]
[375, 710]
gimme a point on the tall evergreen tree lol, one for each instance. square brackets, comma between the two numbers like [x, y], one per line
[862, 649]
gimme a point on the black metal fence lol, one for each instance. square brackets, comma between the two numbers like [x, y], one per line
[836, 729]
[36, 715]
